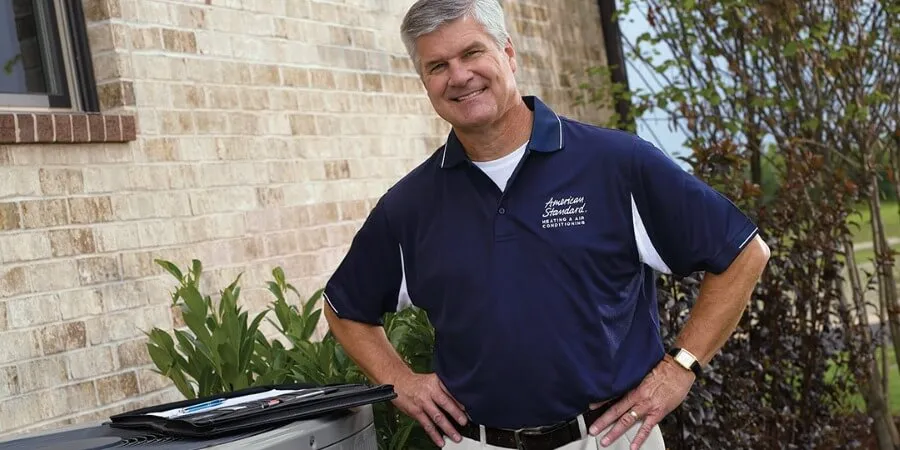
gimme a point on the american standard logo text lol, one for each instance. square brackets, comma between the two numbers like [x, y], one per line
[563, 212]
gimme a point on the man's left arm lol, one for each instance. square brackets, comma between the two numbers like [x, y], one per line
[685, 226]
[714, 317]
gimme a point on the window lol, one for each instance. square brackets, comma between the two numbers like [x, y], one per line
[44, 57]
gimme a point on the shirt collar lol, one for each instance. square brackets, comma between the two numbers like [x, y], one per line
[546, 134]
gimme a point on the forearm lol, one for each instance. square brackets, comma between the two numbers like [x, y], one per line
[721, 302]
[368, 346]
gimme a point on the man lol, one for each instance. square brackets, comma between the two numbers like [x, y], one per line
[530, 239]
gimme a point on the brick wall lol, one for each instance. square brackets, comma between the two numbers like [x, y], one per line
[265, 131]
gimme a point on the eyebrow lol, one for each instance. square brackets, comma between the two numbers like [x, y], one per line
[470, 47]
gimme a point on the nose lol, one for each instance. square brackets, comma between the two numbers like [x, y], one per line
[459, 74]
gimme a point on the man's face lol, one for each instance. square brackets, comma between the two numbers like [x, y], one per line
[469, 81]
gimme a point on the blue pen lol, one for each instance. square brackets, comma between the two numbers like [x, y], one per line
[202, 406]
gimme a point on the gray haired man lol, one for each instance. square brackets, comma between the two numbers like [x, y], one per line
[531, 241]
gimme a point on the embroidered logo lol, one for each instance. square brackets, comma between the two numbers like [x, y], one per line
[563, 212]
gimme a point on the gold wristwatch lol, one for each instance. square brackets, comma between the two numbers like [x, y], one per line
[686, 359]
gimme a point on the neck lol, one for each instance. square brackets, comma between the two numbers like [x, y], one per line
[501, 137]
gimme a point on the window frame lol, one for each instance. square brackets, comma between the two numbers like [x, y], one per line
[61, 27]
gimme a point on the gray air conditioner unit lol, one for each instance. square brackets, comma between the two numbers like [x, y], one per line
[346, 429]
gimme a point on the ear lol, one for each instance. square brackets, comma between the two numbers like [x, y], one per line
[510, 54]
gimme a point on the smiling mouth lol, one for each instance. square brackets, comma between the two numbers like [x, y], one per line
[469, 95]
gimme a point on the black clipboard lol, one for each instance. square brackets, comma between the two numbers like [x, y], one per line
[257, 414]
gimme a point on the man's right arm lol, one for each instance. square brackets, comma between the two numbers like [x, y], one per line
[421, 396]
[365, 286]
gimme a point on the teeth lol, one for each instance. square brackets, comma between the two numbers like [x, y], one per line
[467, 96]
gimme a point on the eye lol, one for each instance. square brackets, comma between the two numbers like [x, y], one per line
[436, 67]
[472, 53]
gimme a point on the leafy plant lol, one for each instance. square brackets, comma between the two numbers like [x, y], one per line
[217, 353]
[222, 350]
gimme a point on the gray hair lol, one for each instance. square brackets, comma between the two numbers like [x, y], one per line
[425, 16]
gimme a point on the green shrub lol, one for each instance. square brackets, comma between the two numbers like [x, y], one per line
[222, 350]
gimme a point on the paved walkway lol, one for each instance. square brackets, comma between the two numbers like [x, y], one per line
[867, 245]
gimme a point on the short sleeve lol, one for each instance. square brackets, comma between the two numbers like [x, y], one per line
[366, 284]
[691, 226]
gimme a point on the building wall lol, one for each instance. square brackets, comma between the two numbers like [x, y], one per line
[265, 131]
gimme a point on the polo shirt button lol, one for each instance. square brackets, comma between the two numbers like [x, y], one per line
[502, 210]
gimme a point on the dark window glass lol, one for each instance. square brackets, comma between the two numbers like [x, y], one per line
[30, 61]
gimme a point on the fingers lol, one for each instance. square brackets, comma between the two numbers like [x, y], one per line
[441, 422]
[624, 422]
[643, 433]
[611, 415]
[429, 427]
[436, 410]
[452, 406]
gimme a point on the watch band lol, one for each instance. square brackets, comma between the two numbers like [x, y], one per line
[686, 359]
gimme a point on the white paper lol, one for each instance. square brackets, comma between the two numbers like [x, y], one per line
[177, 412]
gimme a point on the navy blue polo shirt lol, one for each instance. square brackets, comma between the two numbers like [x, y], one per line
[542, 296]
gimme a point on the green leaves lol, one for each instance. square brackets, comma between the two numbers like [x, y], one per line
[221, 349]
[791, 49]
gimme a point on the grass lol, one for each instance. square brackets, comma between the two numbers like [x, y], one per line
[889, 216]
[861, 224]
[856, 401]
[863, 228]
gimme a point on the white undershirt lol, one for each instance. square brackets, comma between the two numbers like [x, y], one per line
[501, 169]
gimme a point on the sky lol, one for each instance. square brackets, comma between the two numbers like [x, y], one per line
[653, 127]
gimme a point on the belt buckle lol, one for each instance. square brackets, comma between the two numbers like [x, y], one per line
[517, 434]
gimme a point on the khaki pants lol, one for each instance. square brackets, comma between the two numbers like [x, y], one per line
[588, 442]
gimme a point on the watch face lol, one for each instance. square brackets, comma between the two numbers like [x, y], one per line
[684, 359]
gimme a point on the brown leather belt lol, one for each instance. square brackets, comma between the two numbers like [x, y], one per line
[543, 438]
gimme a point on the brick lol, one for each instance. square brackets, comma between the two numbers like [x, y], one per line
[98, 269]
[80, 129]
[8, 128]
[123, 296]
[27, 346]
[9, 381]
[179, 41]
[44, 213]
[61, 181]
[62, 337]
[4, 324]
[90, 209]
[371, 82]
[117, 387]
[72, 241]
[117, 237]
[18, 182]
[150, 381]
[269, 197]
[90, 362]
[24, 247]
[9, 216]
[78, 397]
[53, 276]
[44, 128]
[336, 170]
[79, 303]
[62, 125]
[20, 411]
[303, 124]
[129, 128]
[26, 128]
[42, 373]
[112, 128]
[31, 311]
[133, 354]
[13, 281]
[294, 77]
[96, 129]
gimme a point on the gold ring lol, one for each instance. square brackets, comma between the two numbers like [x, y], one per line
[633, 414]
